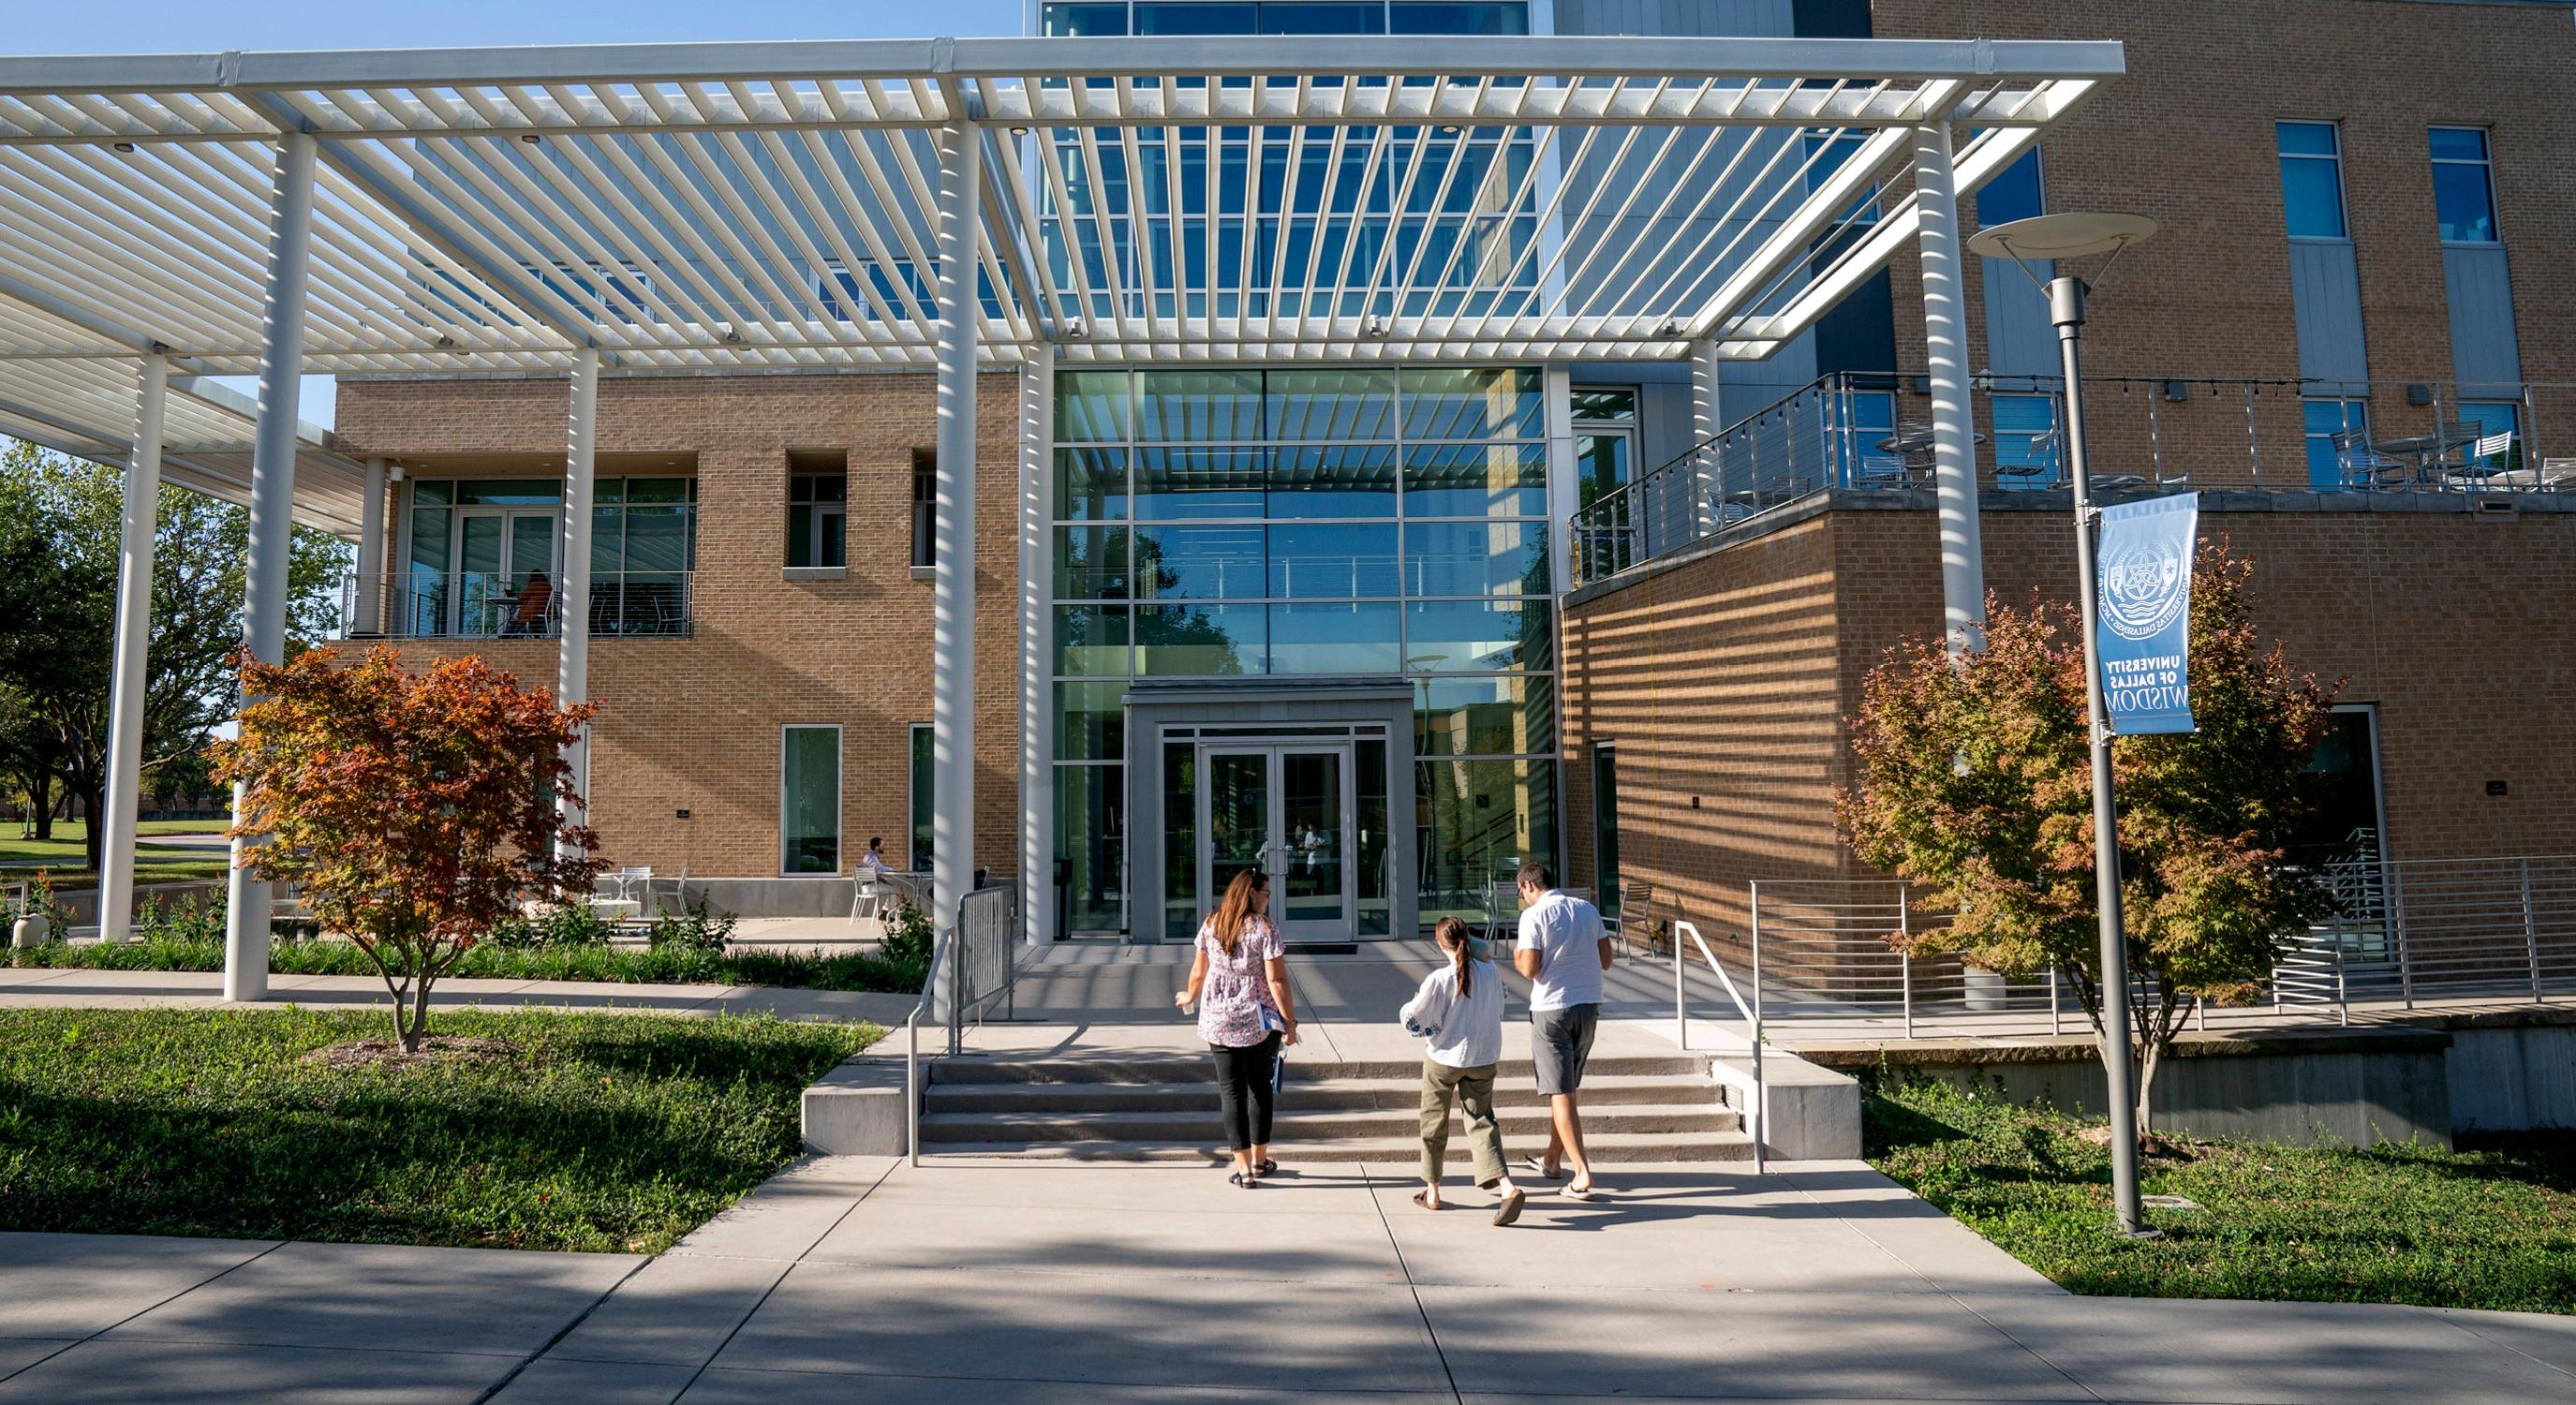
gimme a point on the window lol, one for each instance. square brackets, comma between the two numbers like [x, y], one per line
[1605, 443]
[2014, 193]
[2493, 417]
[809, 799]
[2324, 419]
[925, 789]
[1605, 825]
[2463, 185]
[2025, 441]
[2312, 179]
[817, 515]
[925, 510]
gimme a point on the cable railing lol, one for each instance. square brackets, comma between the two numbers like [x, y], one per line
[2404, 932]
[419, 604]
[1871, 432]
[1757, 1110]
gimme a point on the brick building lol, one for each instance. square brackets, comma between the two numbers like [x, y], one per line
[1596, 437]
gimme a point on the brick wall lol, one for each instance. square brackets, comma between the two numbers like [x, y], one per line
[693, 723]
[2187, 137]
[1727, 677]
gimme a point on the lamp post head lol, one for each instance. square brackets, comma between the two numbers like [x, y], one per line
[2074, 234]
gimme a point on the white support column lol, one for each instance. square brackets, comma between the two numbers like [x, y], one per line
[1708, 416]
[133, 649]
[1945, 345]
[370, 614]
[952, 611]
[572, 574]
[1037, 644]
[272, 514]
[1556, 388]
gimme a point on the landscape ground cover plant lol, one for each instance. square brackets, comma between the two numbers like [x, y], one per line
[2489, 1225]
[522, 1130]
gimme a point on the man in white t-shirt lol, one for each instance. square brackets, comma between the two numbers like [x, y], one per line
[1563, 950]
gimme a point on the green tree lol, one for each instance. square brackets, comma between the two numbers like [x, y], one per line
[60, 521]
[1975, 781]
[414, 811]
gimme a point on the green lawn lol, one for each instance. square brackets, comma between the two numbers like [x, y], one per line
[663, 965]
[589, 1132]
[2492, 1225]
[67, 864]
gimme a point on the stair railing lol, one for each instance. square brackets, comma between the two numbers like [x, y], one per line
[1751, 1014]
[912, 1052]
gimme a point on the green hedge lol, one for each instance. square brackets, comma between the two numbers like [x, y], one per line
[587, 962]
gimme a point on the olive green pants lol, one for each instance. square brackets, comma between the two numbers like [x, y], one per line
[1473, 1090]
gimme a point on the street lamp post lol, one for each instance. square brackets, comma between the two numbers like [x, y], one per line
[2054, 237]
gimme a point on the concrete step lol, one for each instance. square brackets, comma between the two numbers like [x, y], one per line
[1303, 1125]
[1340, 1094]
[1164, 1068]
[1607, 1149]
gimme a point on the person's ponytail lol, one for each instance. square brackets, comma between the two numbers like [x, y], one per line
[1452, 936]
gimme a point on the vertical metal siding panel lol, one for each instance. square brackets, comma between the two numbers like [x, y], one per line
[2020, 341]
[2325, 291]
[2484, 350]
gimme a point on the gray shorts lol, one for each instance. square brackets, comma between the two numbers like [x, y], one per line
[1560, 1042]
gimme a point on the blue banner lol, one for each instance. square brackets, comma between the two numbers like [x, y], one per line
[2144, 600]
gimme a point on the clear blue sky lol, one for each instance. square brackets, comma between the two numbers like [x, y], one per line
[96, 26]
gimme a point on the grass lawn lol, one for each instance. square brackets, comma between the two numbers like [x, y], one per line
[862, 971]
[2492, 1225]
[67, 863]
[590, 1132]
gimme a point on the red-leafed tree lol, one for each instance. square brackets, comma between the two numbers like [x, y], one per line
[413, 810]
[1976, 782]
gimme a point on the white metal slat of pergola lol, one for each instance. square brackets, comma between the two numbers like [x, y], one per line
[947, 204]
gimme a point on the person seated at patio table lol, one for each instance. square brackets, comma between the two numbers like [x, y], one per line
[872, 864]
[530, 618]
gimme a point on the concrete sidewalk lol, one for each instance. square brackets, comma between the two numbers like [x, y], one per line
[863, 1279]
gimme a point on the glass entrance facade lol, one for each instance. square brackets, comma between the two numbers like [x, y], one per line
[1374, 523]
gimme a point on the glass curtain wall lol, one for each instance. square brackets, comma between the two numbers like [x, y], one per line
[1234, 523]
[643, 545]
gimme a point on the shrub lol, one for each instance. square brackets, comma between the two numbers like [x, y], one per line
[571, 924]
[907, 939]
[693, 928]
[194, 918]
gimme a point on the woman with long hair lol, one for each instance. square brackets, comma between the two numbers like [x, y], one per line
[1458, 1014]
[1239, 981]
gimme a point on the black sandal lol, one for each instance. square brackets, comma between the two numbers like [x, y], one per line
[1269, 1168]
[1251, 1182]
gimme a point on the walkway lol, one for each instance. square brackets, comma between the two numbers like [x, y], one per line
[862, 1279]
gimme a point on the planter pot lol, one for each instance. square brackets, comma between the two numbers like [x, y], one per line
[1985, 989]
[31, 930]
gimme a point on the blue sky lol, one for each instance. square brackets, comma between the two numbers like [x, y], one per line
[99, 28]
[50, 27]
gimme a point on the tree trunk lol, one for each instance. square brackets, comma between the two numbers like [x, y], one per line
[94, 834]
[40, 803]
[2147, 1064]
[419, 1015]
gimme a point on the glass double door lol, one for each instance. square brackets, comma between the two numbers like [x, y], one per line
[1284, 809]
[505, 571]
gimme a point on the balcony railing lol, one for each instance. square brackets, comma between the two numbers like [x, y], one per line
[1863, 433]
[497, 605]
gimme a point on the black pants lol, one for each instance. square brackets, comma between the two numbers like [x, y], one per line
[1243, 1086]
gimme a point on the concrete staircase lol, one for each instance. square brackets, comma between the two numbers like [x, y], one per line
[1164, 1108]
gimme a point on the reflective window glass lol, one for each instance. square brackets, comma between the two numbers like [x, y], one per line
[1198, 484]
[1191, 17]
[1476, 480]
[1198, 407]
[1091, 484]
[1060, 20]
[1091, 830]
[1455, 18]
[2014, 193]
[1472, 402]
[1091, 406]
[2311, 180]
[1475, 558]
[1363, 636]
[2322, 421]
[1091, 640]
[1322, 18]
[1091, 563]
[1481, 820]
[1484, 716]
[2026, 449]
[809, 821]
[1316, 480]
[1475, 636]
[2463, 185]
[1201, 640]
[1090, 721]
[1199, 563]
[1331, 405]
[1330, 561]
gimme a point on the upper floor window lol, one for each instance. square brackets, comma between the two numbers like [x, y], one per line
[2312, 179]
[817, 514]
[2463, 185]
[2014, 193]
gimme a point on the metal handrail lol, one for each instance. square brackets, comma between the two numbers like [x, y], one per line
[912, 1052]
[1752, 1014]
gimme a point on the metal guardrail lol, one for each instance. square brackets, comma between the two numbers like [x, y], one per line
[972, 964]
[1757, 1116]
[2408, 931]
[491, 605]
[1865, 432]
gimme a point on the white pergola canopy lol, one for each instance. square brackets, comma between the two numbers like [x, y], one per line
[772, 205]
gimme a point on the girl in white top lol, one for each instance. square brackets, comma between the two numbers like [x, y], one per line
[1458, 1013]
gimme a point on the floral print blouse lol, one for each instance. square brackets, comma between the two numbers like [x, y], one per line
[1236, 993]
